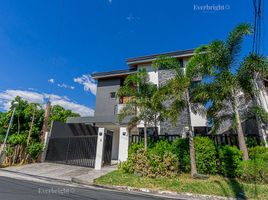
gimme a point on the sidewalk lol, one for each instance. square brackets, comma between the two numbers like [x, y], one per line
[88, 179]
[57, 172]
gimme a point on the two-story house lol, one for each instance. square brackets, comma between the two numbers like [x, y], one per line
[108, 106]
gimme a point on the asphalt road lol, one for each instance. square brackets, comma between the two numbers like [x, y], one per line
[15, 189]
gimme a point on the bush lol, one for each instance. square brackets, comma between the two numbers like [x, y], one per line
[134, 147]
[160, 147]
[257, 151]
[17, 139]
[34, 149]
[166, 165]
[151, 164]
[230, 158]
[180, 147]
[251, 142]
[206, 160]
[254, 171]
[205, 152]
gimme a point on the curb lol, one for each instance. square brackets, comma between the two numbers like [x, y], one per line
[167, 194]
[81, 181]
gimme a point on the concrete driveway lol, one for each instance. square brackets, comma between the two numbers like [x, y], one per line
[49, 170]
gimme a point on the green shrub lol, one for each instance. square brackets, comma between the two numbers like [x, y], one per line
[230, 157]
[153, 164]
[251, 142]
[141, 163]
[166, 165]
[206, 160]
[134, 147]
[257, 151]
[180, 147]
[160, 147]
[17, 139]
[254, 171]
[34, 149]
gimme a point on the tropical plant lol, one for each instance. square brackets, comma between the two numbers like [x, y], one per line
[175, 94]
[221, 91]
[26, 128]
[141, 106]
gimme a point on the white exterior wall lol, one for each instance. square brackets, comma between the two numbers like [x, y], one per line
[123, 144]
[153, 77]
[196, 119]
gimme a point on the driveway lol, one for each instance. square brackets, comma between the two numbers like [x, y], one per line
[49, 170]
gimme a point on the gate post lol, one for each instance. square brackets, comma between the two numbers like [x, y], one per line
[99, 152]
[123, 144]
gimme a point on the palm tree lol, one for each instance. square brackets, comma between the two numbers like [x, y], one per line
[176, 95]
[218, 61]
[141, 106]
[252, 73]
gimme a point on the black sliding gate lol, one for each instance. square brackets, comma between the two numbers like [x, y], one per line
[76, 144]
[74, 150]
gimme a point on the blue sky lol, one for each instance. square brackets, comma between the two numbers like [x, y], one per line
[68, 40]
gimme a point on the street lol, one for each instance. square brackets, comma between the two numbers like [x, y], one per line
[15, 189]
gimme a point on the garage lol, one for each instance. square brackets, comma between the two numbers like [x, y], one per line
[76, 144]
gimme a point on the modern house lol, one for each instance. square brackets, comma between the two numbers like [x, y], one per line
[108, 106]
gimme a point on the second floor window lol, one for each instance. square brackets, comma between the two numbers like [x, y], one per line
[112, 95]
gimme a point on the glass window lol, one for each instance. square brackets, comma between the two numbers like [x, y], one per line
[112, 94]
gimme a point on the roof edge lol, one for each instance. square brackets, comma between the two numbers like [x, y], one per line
[149, 58]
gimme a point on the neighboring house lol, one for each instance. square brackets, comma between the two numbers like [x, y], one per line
[108, 106]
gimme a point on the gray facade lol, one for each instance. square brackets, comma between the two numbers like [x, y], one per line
[167, 126]
[105, 103]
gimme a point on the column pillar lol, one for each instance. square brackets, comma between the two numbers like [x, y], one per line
[99, 151]
[123, 144]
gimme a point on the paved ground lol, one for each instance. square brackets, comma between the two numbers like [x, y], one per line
[82, 175]
[14, 189]
[49, 170]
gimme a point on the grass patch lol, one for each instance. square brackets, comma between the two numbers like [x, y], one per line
[215, 185]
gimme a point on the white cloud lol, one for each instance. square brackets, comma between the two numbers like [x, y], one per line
[63, 85]
[51, 80]
[88, 82]
[34, 97]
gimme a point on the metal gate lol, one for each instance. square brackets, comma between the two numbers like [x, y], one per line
[107, 151]
[73, 150]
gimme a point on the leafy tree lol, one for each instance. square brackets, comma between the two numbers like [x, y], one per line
[141, 106]
[221, 91]
[26, 128]
[176, 94]
[58, 113]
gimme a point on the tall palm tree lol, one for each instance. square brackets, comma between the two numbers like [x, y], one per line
[141, 106]
[176, 95]
[218, 61]
[252, 73]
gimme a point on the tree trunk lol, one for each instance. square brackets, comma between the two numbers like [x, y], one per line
[18, 124]
[145, 136]
[45, 123]
[191, 140]
[31, 127]
[239, 130]
[192, 154]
